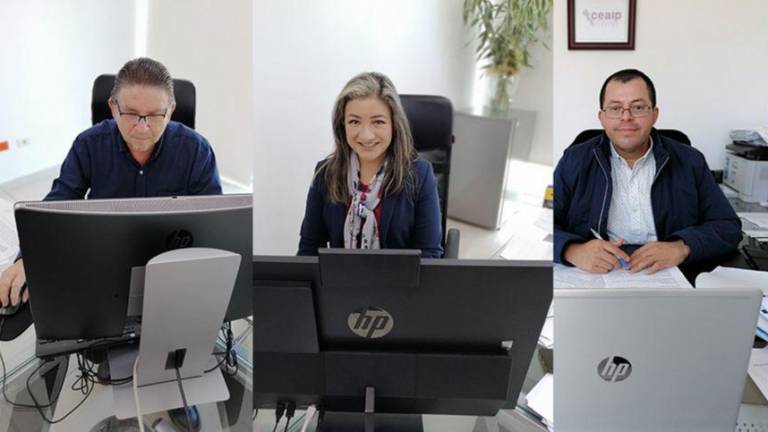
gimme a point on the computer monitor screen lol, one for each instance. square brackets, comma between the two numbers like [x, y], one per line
[429, 335]
[79, 256]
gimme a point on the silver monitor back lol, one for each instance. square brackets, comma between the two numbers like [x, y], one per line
[651, 359]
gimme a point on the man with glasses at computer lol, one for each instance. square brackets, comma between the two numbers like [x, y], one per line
[632, 186]
[140, 152]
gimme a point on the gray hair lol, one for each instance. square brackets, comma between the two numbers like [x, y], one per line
[144, 71]
[399, 154]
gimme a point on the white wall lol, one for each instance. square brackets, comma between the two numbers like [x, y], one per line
[708, 60]
[210, 43]
[535, 94]
[52, 51]
[305, 53]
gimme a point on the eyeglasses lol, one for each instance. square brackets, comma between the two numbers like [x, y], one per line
[154, 121]
[615, 112]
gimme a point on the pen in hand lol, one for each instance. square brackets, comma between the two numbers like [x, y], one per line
[599, 237]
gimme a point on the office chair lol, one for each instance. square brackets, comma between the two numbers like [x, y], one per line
[431, 121]
[183, 90]
[668, 133]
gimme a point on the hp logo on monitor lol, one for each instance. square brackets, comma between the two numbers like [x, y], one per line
[179, 239]
[614, 369]
[370, 322]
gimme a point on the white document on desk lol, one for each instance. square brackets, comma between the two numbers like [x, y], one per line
[9, 240]
[758, 369]
[727, 277]
[572, 277]
[541, 399]
[759, 219]
[533, 239]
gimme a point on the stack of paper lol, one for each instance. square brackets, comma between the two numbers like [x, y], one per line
[723, 277]
[541, 399]
[755, 225]
[571, 277]
[750, 136]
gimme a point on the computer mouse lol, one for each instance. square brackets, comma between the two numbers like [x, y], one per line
[11, 309]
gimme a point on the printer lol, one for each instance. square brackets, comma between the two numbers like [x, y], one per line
[746, 166]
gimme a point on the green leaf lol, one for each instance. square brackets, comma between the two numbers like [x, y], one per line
[505, 30]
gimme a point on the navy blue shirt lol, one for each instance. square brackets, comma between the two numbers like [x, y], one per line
[99, 165]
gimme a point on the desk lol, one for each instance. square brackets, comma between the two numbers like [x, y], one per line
[231, 415]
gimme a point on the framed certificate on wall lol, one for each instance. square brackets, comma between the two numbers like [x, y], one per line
[601, 24]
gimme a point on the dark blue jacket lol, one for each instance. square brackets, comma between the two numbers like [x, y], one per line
[407, 221]
[100, 165]
[687, 203]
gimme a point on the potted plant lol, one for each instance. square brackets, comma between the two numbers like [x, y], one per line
[505, 29]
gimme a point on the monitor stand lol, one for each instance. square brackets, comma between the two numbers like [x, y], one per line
[186, 295]
[369, 421]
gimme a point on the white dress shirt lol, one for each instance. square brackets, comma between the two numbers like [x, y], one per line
[630, 216]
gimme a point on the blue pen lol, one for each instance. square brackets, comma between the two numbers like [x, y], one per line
[599, 237]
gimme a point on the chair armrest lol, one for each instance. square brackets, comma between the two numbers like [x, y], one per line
[452, 243]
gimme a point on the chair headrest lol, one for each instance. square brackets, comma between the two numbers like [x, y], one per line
[183, 90]
[431, 121]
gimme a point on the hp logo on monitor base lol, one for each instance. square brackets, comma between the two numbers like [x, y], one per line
[614, 369]
[370, 322]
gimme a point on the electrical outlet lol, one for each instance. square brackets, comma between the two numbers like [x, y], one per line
[23, 142]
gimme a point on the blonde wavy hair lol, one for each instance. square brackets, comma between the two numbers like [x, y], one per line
[400, 153]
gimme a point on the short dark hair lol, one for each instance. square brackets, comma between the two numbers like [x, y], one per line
[144, 71]
[626, 75]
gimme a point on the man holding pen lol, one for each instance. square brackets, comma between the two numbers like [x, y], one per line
[636, 196]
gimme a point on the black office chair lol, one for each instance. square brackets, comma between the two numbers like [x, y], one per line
[183, 90]
[668, 133]
[431, 121]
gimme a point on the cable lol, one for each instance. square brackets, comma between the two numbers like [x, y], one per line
[135, 385]
[320, 418]
[311, 411]
[183, 396]
[5, 378]
[40, 407]
[290, 409]
[84, 383]
[229, 354]
[279, 411]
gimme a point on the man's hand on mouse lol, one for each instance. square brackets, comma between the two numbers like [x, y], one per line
[11, 281]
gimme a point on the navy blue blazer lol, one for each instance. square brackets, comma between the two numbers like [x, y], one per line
[686, 202]
[407, 222]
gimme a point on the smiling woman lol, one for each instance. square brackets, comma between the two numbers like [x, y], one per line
[373, 191]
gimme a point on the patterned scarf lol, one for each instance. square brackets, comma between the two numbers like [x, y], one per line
[361, 220]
